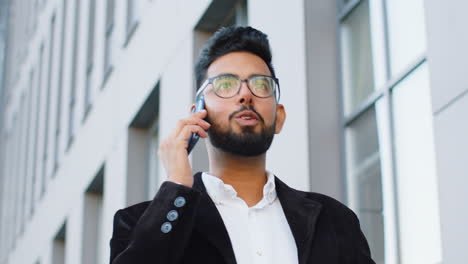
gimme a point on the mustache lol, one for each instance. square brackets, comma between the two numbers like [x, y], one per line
[243, 108]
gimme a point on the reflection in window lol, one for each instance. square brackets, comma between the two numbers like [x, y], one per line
[365, 180]
[132, 15]
[415, 169]
[356, 48]
[407, 33]
[108, 38]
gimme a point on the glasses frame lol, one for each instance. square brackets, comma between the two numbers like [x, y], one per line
[276, 93]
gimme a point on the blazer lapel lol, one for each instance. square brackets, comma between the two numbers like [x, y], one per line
[302, 214]
[209, 223]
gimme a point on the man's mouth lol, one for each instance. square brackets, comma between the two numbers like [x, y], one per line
[246, 118]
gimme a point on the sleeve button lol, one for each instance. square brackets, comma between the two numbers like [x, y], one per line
[166, 227]
[179, 201]
[172, 215]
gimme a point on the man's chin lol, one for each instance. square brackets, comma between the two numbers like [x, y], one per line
[247, 143]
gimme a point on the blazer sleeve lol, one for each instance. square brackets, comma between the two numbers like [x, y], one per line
[148, 233]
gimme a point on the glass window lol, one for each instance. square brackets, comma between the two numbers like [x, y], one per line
[365, 180]
[60, 85]
[356, 49]
[47, 123]
[132, 15]
[415, 169]
[407, 33]
[153, 159]
[108, 38]
[388, 131]
[73, 98]
[90, 57]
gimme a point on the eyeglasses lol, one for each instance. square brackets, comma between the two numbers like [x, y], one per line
[228, 85]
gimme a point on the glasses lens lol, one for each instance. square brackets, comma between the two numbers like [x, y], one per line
[262, 86]
[226, 85]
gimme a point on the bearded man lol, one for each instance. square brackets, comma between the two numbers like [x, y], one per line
[237, 212]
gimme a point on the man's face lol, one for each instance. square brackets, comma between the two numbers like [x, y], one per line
[244, 124]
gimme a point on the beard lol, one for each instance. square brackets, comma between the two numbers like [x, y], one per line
[247, 143]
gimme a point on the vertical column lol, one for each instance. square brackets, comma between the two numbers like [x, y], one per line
[287, 40]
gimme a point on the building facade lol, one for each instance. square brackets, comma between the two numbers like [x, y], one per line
[374, 92]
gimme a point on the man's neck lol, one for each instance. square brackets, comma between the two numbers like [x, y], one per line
[247, 175]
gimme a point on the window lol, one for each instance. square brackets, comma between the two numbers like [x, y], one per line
[59, 245]
[406, 30]
[45, 155]
[142, 173]
[388, 129]
[28, 149]
[415, 168]
[108, 39]
[90, 57]
[365, 179]
[92, 220]
[358, 77]
[20, 175]
[30, 138]
[60, 85]
[132, 18]
[37, 106]
[72, 99]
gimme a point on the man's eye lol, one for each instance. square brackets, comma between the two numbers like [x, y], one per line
[261, 84]
[225, 85]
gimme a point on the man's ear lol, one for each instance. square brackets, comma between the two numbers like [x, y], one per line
[280, 118]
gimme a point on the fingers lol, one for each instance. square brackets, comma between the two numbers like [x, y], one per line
[189, 129]
[194, 119]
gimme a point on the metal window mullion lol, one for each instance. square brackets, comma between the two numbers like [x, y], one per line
[388, 86]
[364, 106]
[346, 9]
[407, 71]
[390, 83]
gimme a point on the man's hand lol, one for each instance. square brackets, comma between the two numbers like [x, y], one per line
[173, 150]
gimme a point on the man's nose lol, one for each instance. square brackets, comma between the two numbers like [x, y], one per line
[245, 95]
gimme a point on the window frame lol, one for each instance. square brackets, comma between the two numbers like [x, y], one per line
[382, 93]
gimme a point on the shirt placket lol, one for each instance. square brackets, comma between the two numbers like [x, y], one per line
[256, 238]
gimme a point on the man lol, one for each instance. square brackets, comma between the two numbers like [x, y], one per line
[238, 212]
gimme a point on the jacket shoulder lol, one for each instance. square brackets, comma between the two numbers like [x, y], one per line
[330, 205]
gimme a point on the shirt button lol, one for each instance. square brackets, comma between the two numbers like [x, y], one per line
[179, 201]
[166, 227]
[172, 215]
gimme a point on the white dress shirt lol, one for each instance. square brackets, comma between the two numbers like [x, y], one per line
[259, 234]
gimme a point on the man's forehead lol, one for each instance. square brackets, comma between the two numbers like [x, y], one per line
[239, 63]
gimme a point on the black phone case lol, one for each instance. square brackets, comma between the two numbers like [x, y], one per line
[192, 141]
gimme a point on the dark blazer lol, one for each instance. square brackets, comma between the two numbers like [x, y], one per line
[325, 230]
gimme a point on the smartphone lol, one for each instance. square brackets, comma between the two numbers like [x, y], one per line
[199, 105]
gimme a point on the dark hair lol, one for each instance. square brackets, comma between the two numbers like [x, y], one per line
[230, 39]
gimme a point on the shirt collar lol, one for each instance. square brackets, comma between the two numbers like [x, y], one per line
[221, 193]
